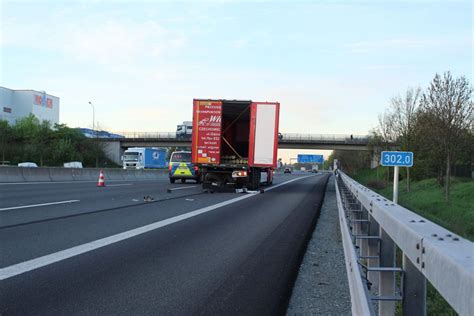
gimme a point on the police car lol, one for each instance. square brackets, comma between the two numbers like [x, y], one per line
[180, 167]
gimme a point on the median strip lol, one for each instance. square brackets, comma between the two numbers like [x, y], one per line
[39, 262]
[37, 205]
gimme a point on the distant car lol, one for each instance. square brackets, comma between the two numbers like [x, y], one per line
[73, 164]
[314, 171]
[287, 170]
[28, 164]
[181, 168]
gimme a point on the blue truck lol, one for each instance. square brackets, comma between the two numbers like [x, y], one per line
[144, 158]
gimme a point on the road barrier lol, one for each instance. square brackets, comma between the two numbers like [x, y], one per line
[11, 174]
[113, 174]
[80, 174]
[372, 227]
[36, 174]
[23, 174]
[60, 174]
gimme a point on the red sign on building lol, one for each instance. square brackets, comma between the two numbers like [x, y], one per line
[43, 101]
[38, 99]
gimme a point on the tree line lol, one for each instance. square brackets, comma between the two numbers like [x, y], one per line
[435, 123]
[32, 140]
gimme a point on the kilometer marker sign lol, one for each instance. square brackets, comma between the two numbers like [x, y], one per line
[396, 159]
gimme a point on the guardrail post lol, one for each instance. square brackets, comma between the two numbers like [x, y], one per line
[386, 279]
[363, 229]
[414, 289]
[373, 251]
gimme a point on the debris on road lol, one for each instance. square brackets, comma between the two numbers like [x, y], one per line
[244, 190]
[148, 198]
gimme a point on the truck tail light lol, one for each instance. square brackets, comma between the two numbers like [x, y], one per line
[239, 174]
[169, 166]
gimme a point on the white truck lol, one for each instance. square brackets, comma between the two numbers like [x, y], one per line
[184, 130]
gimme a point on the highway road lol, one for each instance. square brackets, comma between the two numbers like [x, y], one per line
[74, 248]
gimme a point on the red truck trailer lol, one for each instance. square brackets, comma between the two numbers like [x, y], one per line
[235, 142]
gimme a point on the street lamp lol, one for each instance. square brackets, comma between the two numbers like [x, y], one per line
[93, 117]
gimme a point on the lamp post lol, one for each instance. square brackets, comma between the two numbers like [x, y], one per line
[93, 117]
[94, 135]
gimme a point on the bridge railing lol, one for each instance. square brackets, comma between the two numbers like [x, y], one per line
[339, 138]
[156, 135]
[372, 228]
[285, 136]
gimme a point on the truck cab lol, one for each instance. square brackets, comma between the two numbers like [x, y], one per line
[132, 159]
[184, 130]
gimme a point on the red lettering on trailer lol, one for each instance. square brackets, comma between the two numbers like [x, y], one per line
[207, 132]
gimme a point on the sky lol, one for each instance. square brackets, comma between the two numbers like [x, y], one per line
[333, 65]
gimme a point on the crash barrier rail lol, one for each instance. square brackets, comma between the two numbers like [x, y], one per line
[363, 139]
[372, 228]
[51, 174]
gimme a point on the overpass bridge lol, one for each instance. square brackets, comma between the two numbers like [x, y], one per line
[288, 141]
[115, 147]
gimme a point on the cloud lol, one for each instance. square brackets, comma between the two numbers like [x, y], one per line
[97, 39]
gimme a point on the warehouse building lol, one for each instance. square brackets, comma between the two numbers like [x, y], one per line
[17, 104]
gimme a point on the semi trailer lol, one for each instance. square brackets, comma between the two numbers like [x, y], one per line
[235, 142]
[144, 158]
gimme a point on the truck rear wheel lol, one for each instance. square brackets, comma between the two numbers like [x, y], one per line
[172, 180]
[254, 179]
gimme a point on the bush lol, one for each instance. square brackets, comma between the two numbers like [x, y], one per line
[35, 141]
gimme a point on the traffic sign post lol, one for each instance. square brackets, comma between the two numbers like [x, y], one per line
[397, 159]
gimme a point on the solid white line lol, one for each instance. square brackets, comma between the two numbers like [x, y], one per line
[39, 262]
[181, 188]
[37, 205]
[118, 185]
[77, 182]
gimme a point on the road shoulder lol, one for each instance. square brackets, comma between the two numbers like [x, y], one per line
[321, 287]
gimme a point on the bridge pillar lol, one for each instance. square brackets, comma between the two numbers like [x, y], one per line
[374, 160]
[113, 151]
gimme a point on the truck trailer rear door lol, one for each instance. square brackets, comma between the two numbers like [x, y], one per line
[206, 137]
[264, 119]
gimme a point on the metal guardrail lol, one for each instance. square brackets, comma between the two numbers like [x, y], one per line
[372, 227]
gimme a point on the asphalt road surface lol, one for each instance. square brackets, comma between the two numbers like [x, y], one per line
[74, 248]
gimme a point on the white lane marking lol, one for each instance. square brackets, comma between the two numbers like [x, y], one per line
[77, 182]
[37, 205]
[39, 262]
[181, 188]
[118, 185]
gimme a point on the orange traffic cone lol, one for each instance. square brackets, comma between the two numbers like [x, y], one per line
[101, 182]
